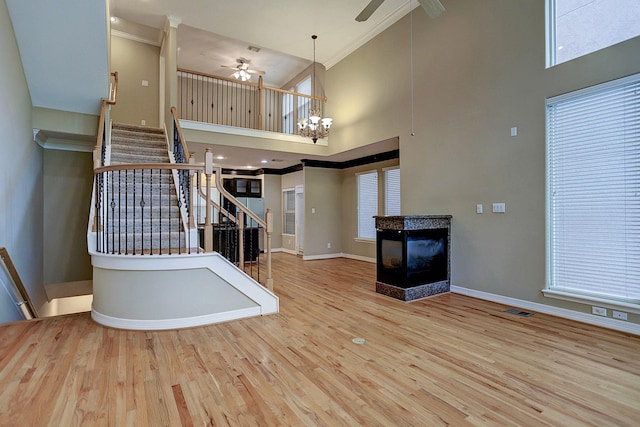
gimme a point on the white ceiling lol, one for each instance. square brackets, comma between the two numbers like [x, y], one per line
[217, 32]
[65, 65]
[283, 26]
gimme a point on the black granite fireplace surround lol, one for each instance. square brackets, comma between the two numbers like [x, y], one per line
[413, 255]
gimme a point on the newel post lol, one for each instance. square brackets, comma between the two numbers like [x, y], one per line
[269, 218]
[208, 228]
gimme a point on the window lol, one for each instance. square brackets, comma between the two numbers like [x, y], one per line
[289, 122]
[579, 27]
[287, 113]
[289, 212]
[304, 87]
[367, 204]
[392, 191]
[593, 193]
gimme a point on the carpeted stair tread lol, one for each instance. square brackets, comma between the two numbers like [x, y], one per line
[137, 128]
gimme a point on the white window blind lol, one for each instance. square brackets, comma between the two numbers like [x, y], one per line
[392, 191]
[367, 204]
[593, 178]
[289, 209]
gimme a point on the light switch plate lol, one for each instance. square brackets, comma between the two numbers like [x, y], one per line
[499, 208]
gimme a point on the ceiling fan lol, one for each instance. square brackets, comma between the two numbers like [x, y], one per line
[433, 8]
[242, 70]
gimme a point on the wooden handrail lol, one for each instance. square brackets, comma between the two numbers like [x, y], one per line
[169, 166]
[235, 201]
[4, 255]
[97, 150]
[217, 206]
[255, 85]
[174, 112]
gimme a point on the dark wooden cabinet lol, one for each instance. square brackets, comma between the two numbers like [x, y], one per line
[243, 187]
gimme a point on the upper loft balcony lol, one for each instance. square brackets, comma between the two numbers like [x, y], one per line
[229, 106]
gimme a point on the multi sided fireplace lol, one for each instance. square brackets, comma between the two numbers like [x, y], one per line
[413, 255]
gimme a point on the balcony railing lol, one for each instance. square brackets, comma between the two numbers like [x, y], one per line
[224, 101]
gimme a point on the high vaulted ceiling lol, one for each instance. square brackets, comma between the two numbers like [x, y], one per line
[218, 32]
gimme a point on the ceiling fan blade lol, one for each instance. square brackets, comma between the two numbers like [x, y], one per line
[255, 71]
[368, 10]
[229, 66]
[433, 7]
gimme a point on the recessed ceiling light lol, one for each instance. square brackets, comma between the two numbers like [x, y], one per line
[264, 161]
[219, 157]
[114, 19]
[250, 167]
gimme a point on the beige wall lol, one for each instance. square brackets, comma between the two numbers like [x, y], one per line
[20, 168]
[349, 200]
[135, 61]
[479, 70]
[322, 192]
[68, 178]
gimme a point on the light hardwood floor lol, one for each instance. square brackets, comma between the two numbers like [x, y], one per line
[447, 360]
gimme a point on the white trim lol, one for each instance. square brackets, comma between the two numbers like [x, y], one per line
[364, 240]
[351, 47]
[287, 251]
[254, 133]
[605, 322]
[135, 38]
[593, 89]
[163, 324]
[359, 258]
[322, 256]
[590, 300]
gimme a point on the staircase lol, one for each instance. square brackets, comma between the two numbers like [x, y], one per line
[142, 206]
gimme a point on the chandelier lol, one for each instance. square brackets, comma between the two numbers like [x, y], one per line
[315, 126]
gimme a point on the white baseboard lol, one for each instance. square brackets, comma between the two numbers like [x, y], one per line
[605, 322]
[164, 324]
[359, 258]
[322, 256]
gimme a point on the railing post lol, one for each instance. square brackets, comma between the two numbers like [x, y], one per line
[269, 219]
[208, 227]
[192, 223]
[240, 218]
[260, 94]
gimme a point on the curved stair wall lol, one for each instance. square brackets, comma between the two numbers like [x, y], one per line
[174, 291]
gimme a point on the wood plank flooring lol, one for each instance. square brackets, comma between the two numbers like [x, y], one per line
[447, 360]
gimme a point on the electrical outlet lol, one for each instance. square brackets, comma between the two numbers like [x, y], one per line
[479, 208]
[599, 311]
[620, 315]
[328, 245]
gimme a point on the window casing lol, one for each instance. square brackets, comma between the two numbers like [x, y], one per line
[367, 204]
[593, 194]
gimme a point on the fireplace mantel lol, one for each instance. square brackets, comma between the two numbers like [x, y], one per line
[413, 255]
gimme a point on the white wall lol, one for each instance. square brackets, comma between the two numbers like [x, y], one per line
[21, 195]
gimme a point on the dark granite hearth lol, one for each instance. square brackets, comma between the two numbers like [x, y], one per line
[414, 292]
